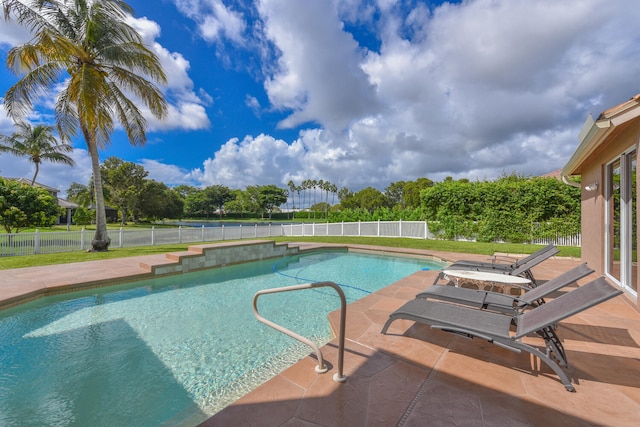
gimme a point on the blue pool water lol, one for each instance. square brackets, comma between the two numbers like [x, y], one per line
[172, 350]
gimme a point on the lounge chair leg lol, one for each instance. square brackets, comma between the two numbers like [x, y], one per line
[564, 379]
[438, 278]
[386, 325]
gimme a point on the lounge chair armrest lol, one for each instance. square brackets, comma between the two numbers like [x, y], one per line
[511, 259]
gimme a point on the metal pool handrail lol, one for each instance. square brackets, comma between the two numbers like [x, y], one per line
[321, 368]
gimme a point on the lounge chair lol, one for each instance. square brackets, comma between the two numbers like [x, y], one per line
[494, 264]
[504, 303]
[521, 268]
[496, 327]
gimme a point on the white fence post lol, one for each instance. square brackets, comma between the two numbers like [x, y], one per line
[400, 226]
[378, 233]
[36, 243]
[120, 235]
[203, 232]
[82, 239]
[153, 236]
[222, 231]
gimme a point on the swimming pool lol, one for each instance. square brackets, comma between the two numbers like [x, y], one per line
[172, 350]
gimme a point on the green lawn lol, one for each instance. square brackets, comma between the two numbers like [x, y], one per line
[436, 245]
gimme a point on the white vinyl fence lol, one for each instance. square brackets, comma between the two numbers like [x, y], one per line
[575, 240]
[68, 241]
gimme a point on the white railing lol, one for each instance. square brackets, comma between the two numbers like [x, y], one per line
[321, 367]
[68, 241]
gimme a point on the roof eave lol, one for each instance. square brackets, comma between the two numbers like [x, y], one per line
[594, 133]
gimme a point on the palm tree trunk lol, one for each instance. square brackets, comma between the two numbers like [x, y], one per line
[101, 240]
[33, 181]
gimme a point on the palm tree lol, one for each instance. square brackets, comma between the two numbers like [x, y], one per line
[298, 189]
[38, 144]
[334, 191]
[85, 48]
[306, 185]
[292, 189]
[80, 194]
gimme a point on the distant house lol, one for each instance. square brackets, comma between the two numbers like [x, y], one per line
[111, 213]
[557, 174]
[68, 206]
[606, 162]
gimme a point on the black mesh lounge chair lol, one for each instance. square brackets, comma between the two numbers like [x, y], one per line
[507, 266]
[504, 303]
[521, 268]
[496, 327]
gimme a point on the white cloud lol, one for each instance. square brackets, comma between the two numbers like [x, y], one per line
[215, 20]
[12, 34]
[51, 174]
[186, 107]
[253, 103]
[186, 116]
[6, 124]
[168, 174]
[251, 161]
[319, 73]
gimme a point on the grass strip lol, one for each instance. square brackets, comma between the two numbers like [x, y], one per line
[435, 245]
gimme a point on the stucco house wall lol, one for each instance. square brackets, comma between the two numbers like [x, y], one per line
[592, 214]
[602, 141]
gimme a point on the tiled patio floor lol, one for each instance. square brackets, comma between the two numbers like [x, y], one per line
[415, 376]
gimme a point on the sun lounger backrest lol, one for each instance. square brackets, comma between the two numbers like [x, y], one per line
[534, 255]
[556, 283]
[564, 306]
[534, 261]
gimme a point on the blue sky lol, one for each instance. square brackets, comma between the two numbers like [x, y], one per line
[364, 92]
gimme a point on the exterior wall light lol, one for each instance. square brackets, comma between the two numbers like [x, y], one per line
[591, 187]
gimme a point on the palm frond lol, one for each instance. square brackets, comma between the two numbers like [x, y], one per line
[129, 115]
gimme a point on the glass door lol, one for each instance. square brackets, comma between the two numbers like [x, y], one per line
[613, 226]
[620, 221]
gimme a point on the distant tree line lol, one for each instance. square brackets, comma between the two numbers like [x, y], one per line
[127, 189]
[511, 208]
